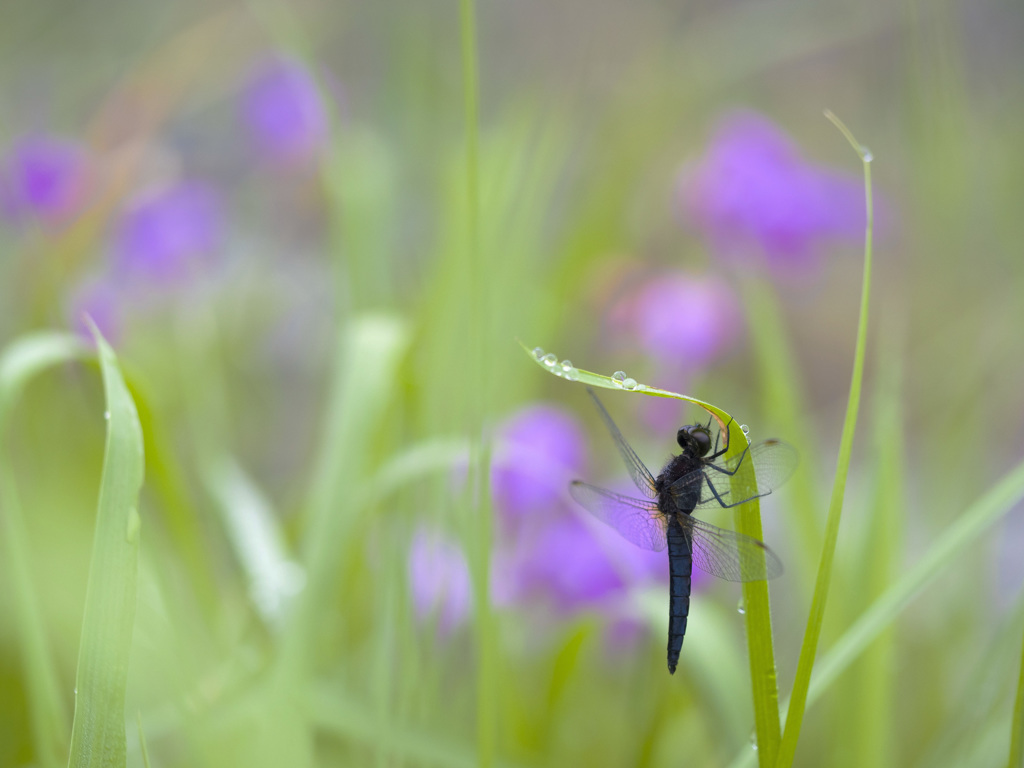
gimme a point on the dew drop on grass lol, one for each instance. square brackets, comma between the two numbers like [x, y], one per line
[106, 415]
[629, 383]
[619, 377]
[866, 154]
[572, 374]
[549, 360]
[740, 608]
[745, 428]
[538, 352]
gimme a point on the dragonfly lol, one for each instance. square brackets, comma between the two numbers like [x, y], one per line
[697, 478]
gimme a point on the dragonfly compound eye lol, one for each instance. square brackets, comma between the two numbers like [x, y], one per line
[697, 435]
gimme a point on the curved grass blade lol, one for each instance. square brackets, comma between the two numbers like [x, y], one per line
[809, 648]
[21, 361]
[757, 609]
[98, 731]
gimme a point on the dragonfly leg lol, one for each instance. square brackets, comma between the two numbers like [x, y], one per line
[725, 448]
[721, 501]
[725, 471]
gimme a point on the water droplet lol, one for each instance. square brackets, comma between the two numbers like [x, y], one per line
[745, 428]
[740, 608]
[538, 352]
[866, 154]
[549, 360]
[629, 383]
[569, 370]
[106, 415]
[618, 377]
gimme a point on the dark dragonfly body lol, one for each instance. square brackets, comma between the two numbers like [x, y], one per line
[690, 481]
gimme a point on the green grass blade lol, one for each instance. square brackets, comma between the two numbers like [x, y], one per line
[871, 740]
[809, 649]
[757, 607]
[479, 460]
[20, 362]
[1017, 727]
[98, 732]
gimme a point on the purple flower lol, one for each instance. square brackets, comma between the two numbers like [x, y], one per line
[539, 450]
[166, 234]
[753, 192]
[45, 177]
[439, 580]
[578, 564]
[682, 321]
[282, 111]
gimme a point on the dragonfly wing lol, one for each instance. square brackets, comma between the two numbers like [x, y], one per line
[729, 555]
[642, 477]
[636, 520]
[723, 485]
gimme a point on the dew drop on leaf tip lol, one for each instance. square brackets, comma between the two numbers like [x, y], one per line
[549, 360]
[538, 352]
[568, 370]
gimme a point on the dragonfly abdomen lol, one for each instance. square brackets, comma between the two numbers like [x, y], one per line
[680, 564]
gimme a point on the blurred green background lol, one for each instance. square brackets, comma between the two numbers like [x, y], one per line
[264, 207]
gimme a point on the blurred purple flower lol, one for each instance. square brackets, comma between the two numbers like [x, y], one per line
[579, 564]
[44, 177]
[439, 580]
[752, 190]
[681, 321]
[167, 234]
[539, 450]
[283, 112]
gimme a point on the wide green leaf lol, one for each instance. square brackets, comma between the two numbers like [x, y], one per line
[98, 732]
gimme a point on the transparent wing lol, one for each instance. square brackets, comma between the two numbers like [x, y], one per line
[638, 521]
[642, 477]
[773, 462]
[727, 554]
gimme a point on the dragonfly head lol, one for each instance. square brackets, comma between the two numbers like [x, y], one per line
[695, 438]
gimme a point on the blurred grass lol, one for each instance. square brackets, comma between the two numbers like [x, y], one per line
[20, 363]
